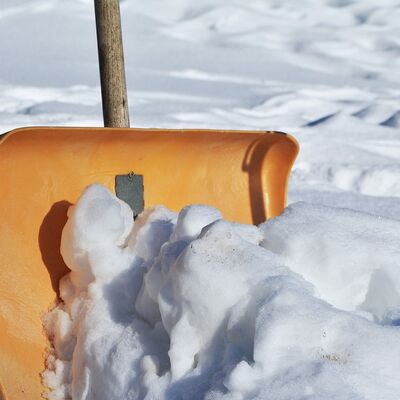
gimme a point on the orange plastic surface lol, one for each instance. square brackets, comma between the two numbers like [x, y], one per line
[44, 170]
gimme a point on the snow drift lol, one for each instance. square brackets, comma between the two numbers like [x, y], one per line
[190, 306]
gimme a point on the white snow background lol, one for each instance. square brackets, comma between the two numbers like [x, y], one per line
[306, 306]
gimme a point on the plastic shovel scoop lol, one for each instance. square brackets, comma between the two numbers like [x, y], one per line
[44, 170]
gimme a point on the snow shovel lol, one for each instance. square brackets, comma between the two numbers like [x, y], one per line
[43, 170]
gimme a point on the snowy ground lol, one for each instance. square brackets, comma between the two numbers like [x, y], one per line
[326, 71]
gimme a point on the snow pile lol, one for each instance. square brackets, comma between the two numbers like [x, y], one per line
[190, 306]
[352, 259]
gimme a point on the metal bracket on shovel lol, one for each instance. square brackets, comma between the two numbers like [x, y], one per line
[129, 188]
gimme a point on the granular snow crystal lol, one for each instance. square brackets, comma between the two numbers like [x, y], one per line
[191, 306]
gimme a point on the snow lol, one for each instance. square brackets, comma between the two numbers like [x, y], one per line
[189, 305]
[352, 259]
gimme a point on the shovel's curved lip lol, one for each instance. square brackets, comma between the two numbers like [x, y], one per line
[5, 136]
[2, 391]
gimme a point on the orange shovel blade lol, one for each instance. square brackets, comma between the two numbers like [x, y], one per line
[44, 170]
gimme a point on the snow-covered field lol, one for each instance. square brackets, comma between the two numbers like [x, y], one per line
[308, 307]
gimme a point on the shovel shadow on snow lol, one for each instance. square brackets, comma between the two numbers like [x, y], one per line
[50, 241]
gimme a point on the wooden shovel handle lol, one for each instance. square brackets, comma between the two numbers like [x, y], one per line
[111, 62]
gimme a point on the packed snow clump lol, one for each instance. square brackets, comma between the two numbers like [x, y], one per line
[190, 306]
[352, 259]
